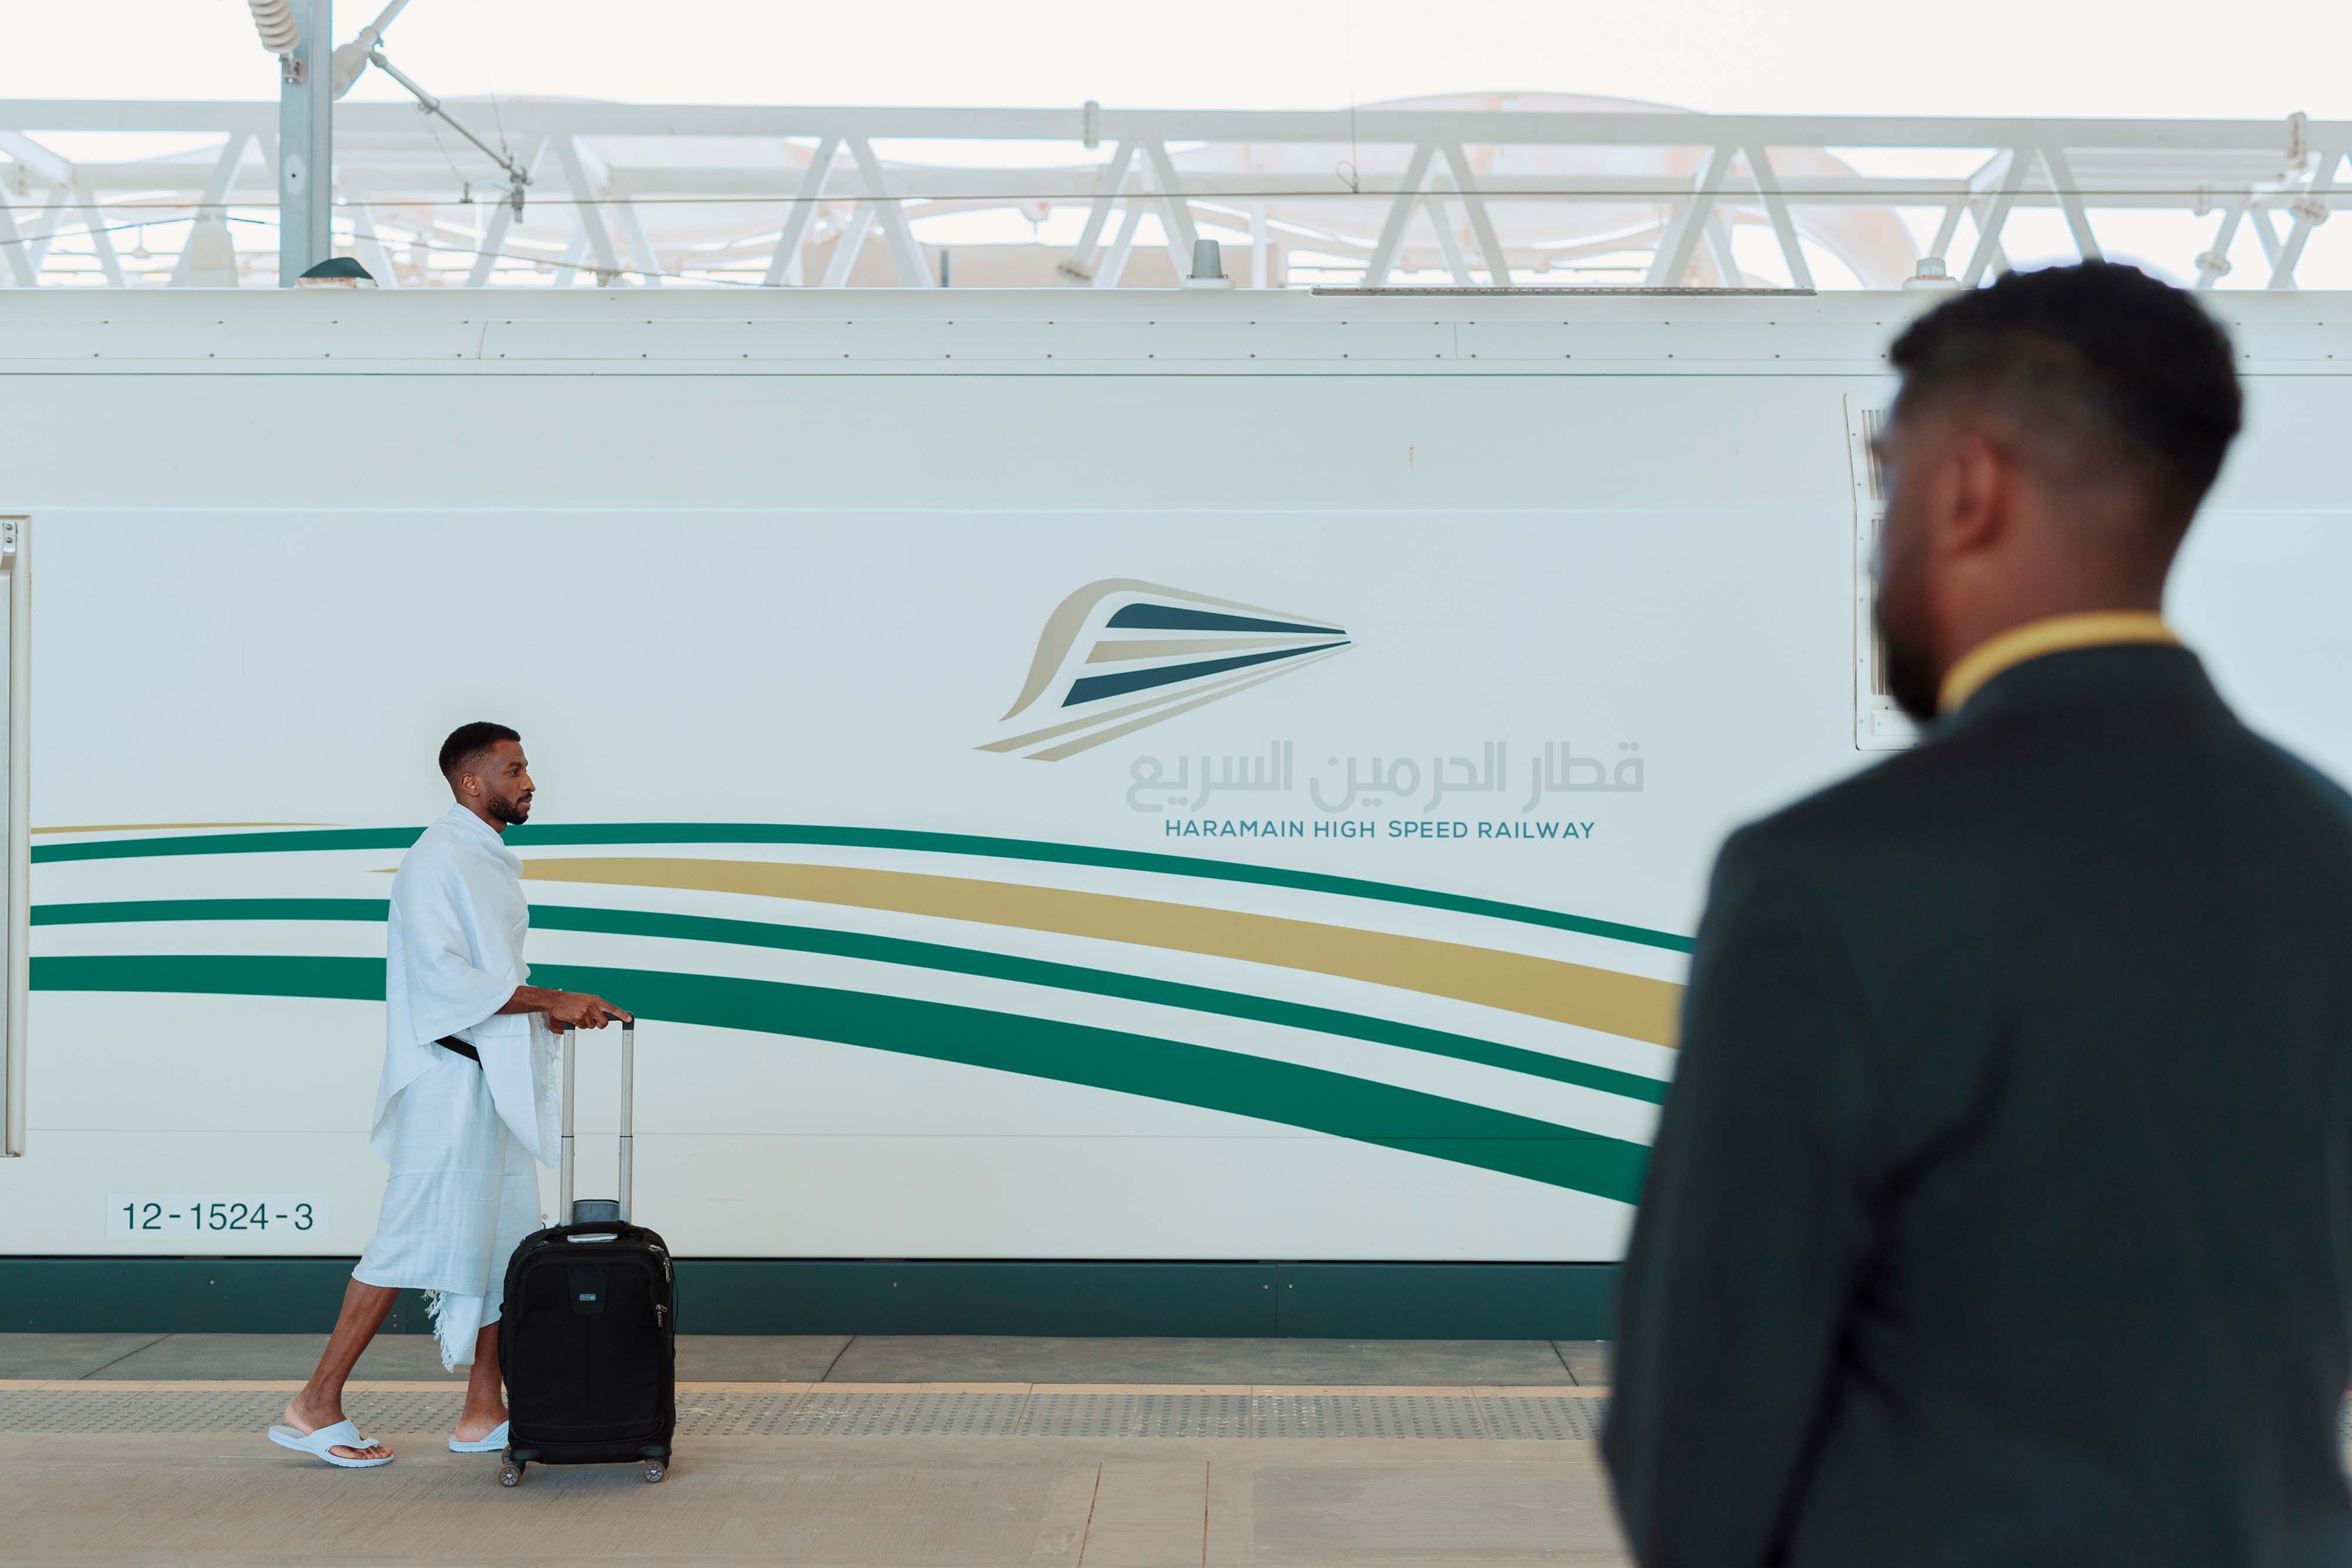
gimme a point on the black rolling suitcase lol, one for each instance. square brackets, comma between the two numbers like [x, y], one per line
[589, 1334]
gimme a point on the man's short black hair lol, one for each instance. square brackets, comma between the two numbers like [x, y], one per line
[2098, 365]
[469, 741]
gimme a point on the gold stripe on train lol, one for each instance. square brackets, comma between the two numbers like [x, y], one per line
[1634, 1006]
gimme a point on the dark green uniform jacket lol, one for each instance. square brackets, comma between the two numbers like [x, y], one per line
[2001, 1213]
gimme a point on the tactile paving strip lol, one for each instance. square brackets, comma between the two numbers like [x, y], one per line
[1554, 1420]
[709, 1414]
[801, 1412]
[1368, 1416]
[207, 1410]
[1139, 1416]
[823, 1414]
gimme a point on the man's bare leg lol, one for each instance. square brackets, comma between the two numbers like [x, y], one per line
[486, 1400]
[321, 1403]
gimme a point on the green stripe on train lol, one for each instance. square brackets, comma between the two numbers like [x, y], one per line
[914, 955]
[1306, 1097]
[874, 839]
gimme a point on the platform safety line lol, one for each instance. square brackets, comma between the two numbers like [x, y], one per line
[1270, 1390]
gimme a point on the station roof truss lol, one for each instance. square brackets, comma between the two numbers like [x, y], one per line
[1483, 191]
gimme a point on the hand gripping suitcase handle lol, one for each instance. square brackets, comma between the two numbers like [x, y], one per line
[568, 1047]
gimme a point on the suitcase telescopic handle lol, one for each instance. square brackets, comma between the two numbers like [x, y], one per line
[570, 1048]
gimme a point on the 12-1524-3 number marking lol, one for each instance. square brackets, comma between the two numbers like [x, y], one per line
[245, 1215]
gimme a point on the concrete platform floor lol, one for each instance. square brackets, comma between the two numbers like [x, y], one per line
[202, 1493]
[961, 1502]
[864, 1358]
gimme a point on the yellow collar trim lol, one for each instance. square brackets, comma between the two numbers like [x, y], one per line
[2053, 634]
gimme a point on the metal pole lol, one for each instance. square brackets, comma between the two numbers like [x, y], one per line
[628, 1114]
[569, 1044]
[306, 179]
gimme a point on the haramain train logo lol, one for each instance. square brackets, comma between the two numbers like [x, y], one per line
[1120, 655]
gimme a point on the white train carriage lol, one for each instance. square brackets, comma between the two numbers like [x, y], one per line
[1170, 782]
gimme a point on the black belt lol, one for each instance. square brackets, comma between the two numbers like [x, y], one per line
[451, 1042]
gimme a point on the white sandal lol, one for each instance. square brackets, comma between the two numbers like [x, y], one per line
[322, 1443]
[489, 1444]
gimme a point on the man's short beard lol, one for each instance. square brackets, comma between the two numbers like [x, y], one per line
[1906, 660]
[1907, 667]
[510, 811]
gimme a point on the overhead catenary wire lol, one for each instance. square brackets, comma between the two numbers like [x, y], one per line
[420, 242]
[431, 104]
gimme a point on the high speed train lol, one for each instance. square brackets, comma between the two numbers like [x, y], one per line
[1126, 811]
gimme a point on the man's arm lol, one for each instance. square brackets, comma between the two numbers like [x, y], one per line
[1752, 1230]
[566, 1009]
[436, 954]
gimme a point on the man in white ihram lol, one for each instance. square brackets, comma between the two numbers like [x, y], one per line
[464, 1108]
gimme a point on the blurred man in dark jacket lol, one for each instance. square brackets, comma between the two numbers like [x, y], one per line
[2001, 1210]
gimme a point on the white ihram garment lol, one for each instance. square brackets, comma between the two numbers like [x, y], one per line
[461, 1139]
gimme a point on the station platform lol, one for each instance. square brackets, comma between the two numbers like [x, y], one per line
[140, 1449]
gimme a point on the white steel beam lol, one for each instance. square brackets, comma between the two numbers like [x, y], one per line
[1395, 127]
[1719, 246]
[591, 216]
[1482, 223]
[1449, 244]
[598, 171]
[801, 212]
[1109, 181]
[1988, 223]
[2308, 210]
[1776, 208]
[904, 253]
[372, 256]
[1947, 231]
[686, 193]
[846, 248]
[1114, 265]
[1384, 257]
[1679, 241]
[575, 251]
[933, 188]
[2259, 218]
[641, 245]
[45, 230]
[100, 241]
[12, 241]
[2069, 202]
[1175, 213]
[2214, 264]
[42, 163]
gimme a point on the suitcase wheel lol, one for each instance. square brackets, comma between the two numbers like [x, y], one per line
[654, 1471]
[510, 1473]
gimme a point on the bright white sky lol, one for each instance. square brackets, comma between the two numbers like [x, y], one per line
[2165, 59]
